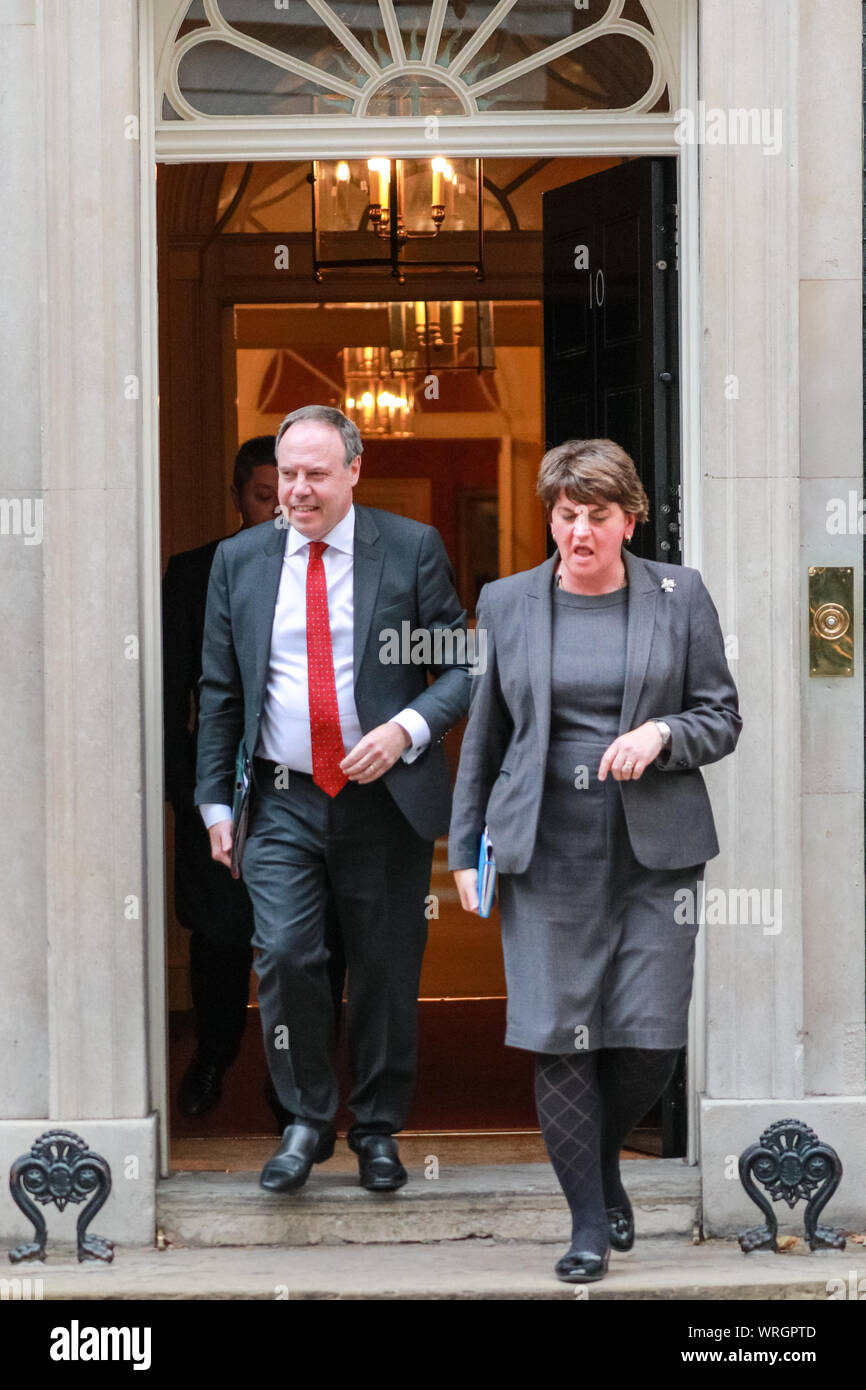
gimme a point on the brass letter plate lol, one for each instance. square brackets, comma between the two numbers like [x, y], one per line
[831, 620]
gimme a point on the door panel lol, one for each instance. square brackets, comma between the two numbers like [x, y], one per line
[572, 417]
[621, 302]
[621, 412]
[611, 348]
[571, 321]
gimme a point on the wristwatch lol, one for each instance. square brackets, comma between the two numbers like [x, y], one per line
[665, 731]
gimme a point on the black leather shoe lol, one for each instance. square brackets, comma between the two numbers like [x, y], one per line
[379, 1166]
[201, 1086]
[582, 1267]
[302, 1146]
[621, 1226]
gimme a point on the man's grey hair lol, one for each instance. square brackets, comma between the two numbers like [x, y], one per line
[327, 415]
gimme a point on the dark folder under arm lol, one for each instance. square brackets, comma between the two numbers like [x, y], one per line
[240, 806]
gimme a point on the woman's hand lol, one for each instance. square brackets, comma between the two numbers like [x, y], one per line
[629, 754]
[467, 887]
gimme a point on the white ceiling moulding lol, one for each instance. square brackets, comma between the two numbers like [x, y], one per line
[546, 134]
[468, 82]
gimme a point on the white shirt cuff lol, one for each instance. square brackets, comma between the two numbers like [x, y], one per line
[212, 812]
[417, 728]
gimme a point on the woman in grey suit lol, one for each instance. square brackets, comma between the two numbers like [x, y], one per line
[606, 689]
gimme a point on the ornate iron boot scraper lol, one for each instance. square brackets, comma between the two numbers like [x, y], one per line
[60, 1168]
[790, 1161]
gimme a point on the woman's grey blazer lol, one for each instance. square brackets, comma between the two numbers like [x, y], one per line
[675, 670]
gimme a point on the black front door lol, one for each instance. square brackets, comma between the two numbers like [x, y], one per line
[610, 328]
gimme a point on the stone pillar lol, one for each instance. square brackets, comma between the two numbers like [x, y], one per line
[75, 812]
[24, 1012]
[780, 410]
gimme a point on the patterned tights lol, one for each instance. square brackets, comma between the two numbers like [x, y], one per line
[587, 1104]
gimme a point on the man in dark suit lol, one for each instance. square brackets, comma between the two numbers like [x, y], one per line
[351, 784]
[214, 907]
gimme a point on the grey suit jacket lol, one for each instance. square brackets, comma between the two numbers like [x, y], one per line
[675, 670]
[401, 573]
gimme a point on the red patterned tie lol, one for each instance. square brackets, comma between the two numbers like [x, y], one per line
[325, 733]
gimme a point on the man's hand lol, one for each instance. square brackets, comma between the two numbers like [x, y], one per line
[375, 753]
[467, 887]
[629, 754]
[221, 843]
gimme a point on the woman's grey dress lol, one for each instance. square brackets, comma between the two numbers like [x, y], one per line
[594, 954]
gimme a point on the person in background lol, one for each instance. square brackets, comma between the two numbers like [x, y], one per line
[214, 907]
[606, 691]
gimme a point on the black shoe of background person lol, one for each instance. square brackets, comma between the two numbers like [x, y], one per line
[581, 1267]
[201, 1086]
[379, 1166]
[301, 1147]
[282, 1116]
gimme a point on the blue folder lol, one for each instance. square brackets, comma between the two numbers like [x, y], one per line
[486, 875]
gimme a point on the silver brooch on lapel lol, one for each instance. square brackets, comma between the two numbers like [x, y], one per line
[669, 585]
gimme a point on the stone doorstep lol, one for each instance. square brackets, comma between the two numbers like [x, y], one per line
[663, 1269]
[502, 1202]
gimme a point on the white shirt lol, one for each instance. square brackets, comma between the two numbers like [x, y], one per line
[284, 730]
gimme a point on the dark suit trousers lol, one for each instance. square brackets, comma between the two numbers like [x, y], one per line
[358, 846]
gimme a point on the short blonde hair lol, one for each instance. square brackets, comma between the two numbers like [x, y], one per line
[588, 469]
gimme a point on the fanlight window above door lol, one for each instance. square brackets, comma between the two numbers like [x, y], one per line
[315, 58]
